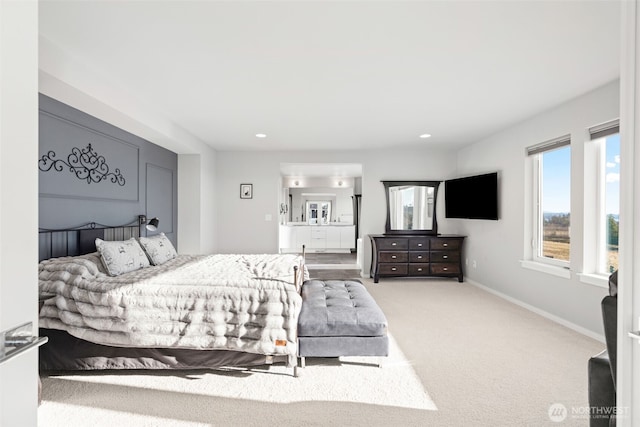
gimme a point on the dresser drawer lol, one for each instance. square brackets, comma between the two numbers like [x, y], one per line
[393, 269]
[419, 244]
[396, 256]
[418, 256]
[445, 256]
[444, 268]
[392, 243]
[445, 244]
[419, 269]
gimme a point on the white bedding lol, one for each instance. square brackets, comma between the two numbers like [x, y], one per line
[235, 302]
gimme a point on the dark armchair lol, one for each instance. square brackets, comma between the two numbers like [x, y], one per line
[602, 367]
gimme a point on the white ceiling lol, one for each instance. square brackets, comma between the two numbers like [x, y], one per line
[342, 75]
[345, 170]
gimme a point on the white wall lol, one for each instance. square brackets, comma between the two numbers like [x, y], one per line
[241, 225]
[498, 246]
[196, 203]
[209, 201]
[19, 207]
[189, 203]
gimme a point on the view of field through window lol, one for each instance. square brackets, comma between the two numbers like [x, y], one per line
[612, 201]
[556, 203]
[556, 214]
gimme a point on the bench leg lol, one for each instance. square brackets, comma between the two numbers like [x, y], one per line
[296, 368]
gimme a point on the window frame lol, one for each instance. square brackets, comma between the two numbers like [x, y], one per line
[600, 205]
[535, 154]
[595, 247]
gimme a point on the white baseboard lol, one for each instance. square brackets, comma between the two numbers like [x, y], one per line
[536, 310]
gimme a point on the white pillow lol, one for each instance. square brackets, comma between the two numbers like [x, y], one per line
[159, 248]
[121, 257]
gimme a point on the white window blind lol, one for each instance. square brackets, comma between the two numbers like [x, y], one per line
[552, 144]
[605, 129]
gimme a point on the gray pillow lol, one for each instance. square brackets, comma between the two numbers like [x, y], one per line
[121, 257]
[158, 248]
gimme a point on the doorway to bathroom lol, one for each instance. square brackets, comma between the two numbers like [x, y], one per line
[320, 209]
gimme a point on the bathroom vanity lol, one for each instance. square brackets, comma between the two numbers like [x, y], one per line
[334, 237]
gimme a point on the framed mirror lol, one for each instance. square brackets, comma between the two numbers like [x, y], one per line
[411, 207]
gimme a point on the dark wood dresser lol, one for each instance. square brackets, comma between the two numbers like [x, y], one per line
[395, 255]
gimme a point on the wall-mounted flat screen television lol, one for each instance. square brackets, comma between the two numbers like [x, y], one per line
[472, 197]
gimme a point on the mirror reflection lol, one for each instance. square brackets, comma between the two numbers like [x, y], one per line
[318, 213]
[411, 206]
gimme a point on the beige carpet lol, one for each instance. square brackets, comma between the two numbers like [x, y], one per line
[483, 361]
[156, 399]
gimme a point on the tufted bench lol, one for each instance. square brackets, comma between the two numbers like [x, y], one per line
[340, 318]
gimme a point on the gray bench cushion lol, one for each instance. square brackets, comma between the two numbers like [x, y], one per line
[339, 308]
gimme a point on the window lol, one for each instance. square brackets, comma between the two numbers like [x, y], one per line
[606, 142]
[551, 240]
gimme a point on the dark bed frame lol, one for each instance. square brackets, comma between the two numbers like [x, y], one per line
[64, 352]
[81, 240]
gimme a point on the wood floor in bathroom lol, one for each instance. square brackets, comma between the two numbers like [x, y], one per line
[337, 272]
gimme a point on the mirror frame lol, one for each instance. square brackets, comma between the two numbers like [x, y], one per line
[434, 228]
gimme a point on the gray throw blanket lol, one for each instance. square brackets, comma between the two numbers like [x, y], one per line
[246, 303]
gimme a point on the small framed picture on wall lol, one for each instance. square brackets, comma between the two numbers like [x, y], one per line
[246, 191]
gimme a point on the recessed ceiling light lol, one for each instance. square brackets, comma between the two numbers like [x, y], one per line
[425, 135]
[261, 135]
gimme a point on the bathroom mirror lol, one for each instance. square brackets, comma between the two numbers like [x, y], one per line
[318, 213]
[411, 207]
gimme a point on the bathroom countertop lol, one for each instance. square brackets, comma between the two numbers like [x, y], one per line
[301, 224]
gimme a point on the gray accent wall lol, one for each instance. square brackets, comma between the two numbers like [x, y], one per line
[121, 176]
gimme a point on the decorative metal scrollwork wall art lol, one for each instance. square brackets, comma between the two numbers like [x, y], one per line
[85, 163]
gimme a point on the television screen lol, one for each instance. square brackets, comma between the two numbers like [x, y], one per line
[472, 197]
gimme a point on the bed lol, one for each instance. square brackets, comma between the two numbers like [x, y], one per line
[185, 312]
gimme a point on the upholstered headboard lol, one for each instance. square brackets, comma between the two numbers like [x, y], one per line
[81, 240]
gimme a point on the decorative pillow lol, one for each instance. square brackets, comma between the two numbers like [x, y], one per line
[159, 248]
[121, 257]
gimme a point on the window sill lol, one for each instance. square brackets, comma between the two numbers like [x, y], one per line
[545, 268]
[599, 280]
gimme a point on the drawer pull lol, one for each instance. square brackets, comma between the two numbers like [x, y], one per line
[393, 269]
[420, 269]
[445, 269]
[445, 244]
[393, 257]
[445, 257]
[393, 243]
[419, 244]
[419, 256]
